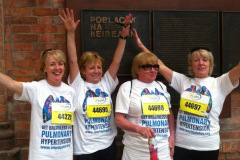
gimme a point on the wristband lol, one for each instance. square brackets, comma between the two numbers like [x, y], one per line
[121, 37]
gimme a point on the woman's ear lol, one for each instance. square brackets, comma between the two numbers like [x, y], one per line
[44, 70]
[82, 70]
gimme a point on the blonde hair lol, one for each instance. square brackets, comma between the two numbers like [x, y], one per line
[57, 54]
[200, 52]
[88, 58]
[141, 59]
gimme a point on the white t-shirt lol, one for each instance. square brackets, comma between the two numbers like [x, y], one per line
[201, 132]
[96, 133]
[48, 141]
[131, 105]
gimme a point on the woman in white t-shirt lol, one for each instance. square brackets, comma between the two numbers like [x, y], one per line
[202, 98]
[94, 127]
[52, 103]
[143, 111]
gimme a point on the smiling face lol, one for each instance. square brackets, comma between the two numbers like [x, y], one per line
[54, 70]
[147, 75]
[53, 65]
[91, 66]
[200, 63]
[145, 67]
[93, 72]
[200, 66]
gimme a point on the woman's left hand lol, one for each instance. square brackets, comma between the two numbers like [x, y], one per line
[146, 132]
[171, 141]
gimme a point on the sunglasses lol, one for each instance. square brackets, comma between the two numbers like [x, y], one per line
[148, 67]
[44, 52]
[198, 48]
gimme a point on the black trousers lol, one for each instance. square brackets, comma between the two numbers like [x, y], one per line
[105, 154]
[186, 154]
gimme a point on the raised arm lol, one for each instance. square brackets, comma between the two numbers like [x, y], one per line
[234, 74]
[70, 26]
[9, 83]
[117, 57]
[164, 70]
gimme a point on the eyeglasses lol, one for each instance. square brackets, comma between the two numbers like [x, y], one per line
[148, 67]
[198, 48]
[44, 52]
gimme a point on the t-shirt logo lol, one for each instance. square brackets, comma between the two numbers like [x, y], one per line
[90, 93]
[156, 92]
[95, 125]
[47, 108]
[154, 102]
[203, 91]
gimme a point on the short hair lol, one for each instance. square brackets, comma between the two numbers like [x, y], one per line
[88, 58]
[141, 59]
[202, 51]
[58, 54]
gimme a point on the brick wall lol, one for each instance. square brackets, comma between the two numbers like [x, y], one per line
[230, 131]
[3, 108]
[27, 28]
[30, 26]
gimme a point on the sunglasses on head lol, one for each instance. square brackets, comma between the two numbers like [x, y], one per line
[198, 48]
[44, 52]
[148, 67]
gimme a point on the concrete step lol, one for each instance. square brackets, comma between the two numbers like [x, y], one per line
[13, 154]
[6, 144]
[6, 134]
[4, 125]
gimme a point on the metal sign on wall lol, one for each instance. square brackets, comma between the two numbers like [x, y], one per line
[230, 40]
[100, 32]
[176, 32]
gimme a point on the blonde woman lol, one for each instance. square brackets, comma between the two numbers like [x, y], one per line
[52, 111]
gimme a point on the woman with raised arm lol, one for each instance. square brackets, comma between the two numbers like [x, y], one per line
[202, 98]
[52, 109]
[143, 111]
[94, 129]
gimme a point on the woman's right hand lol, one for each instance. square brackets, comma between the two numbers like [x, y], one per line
[127, 22]
[68, 20]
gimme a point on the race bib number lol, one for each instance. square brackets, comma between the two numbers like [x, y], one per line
[98, 107]
[154, 105]
[194, 103]
[62, 113]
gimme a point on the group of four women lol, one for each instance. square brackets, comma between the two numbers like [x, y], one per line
[142, 110]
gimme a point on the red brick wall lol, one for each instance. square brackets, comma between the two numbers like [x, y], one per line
[3, 107]
[230, 131]
[27, 28]
[30, 26]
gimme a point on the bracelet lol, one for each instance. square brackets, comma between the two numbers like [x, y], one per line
[122, 37]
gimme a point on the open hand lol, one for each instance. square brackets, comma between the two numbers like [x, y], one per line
[68, 20]
[127, 25]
